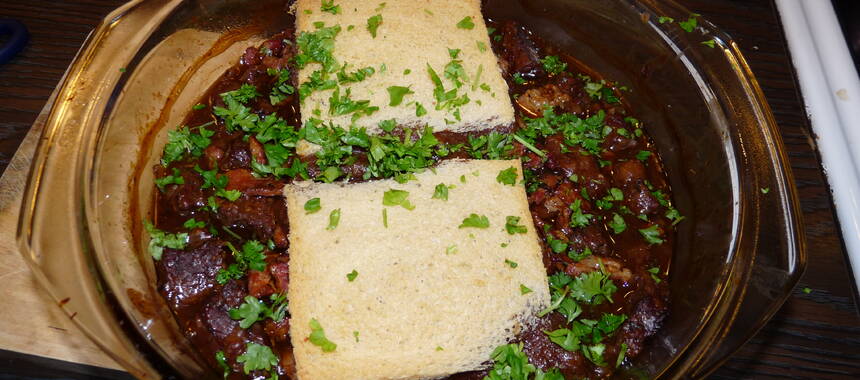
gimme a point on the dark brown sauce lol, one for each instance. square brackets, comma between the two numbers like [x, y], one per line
[186, 278]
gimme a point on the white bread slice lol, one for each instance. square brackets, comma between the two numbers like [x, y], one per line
[421, 309]
[413, 34]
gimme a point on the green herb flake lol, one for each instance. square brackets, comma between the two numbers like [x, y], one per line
[643, 155]
[253, 310]
[512, 225]
[355, 334]
[451, 249]
[333, 219]
[482, 47]
[507, 176]
[318, 338]
[396, 94]
[617, 224]
[524, 290]
[807, 290]
[654, 271]
[441, 192]
[709, 43]
[192, 223]
[466, 23]
[765, 190]
[420, 110]
[664, 19]
[222, 363]
[518, 79]
[330, 7]
[198, 106]
[577, 217]
[622, 353]
[159, 240]
[690, 24]
[173, 179]
[373, 24]
[511, 263]
[394, 197]
[312, 205]
[475, 221]
[553, 64]
[594, 353]
[257, 357]
[352, 275]
[652, 234]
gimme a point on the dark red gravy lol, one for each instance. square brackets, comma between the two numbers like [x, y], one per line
[186, 278]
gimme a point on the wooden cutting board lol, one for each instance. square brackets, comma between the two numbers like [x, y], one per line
[31, 321]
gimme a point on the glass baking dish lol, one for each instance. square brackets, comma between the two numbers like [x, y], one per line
[737, 256]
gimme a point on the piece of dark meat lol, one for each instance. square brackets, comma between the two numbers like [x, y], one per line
[260, 218]
[519, 54]
[188, 276]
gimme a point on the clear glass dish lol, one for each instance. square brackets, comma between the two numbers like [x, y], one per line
[737, 257]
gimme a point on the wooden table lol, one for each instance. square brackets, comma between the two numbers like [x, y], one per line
[815, 335]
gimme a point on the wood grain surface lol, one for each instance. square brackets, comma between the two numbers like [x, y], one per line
[814, 335]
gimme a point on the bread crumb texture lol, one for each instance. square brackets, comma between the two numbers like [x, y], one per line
[430, 299]
[411, 35]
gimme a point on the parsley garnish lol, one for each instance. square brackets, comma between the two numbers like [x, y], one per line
[222, 362]
[328, 6]
[253, 310]
[394, 197]
[622, 352]
[507, 176]
[182, 141]
[709, 43]
[192, 223]
[441, 192]
[281, 89]
[512, 225]
[654, 271]
[466, 23]
[652, 234]
[765, 190]
[524, 290]
[344, 105]
[643, 155]
[664, 19]
[518, 78]
[420, 110]
[482, 47]
[352, 275]
[198, 106]
[257, 357]
[553, 64]
[511, 363]
[312, 205]
[159, 240]
[511, 263]
[173, 179]
[373, 24]
[476, 221]
[333, 219]
[318, 338]
[396, 94]
[617, 224]
[251, 256]
[690, 24]
[577, 217]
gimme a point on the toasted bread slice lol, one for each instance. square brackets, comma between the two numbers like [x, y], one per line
[412, 35]
[428, 298]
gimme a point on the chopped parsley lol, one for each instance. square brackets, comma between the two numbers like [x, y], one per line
[394, 197]
[441, 192]
[192, 223]
[690, 24]
[253, 310]
[807, 290]
[222, 363]
[312, 205]
[385, 217]
[173, 179]
[643, 155]
[198, 106]
[328, 6]
[333, 219]
[577, 217]
[553, 64]
[709, 43]
[652, 234]
[665, 19]
[420, 110]
[182, 141]
[507, 176]
[352, 275]
[622, 353]
[396, 94]
[466, 23]
[511, 363]
[251, 256]
[617, 224]
[511, 263]
[345, 105]
[524, 290]
[373, 24]
[318, 338]
[518, 78]
[451, 249]
[654, 271]
[475, 221]
[159, 240]
[482, 47]
[281, 90]
[765, 190]
[512, 225]
[257, 357]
